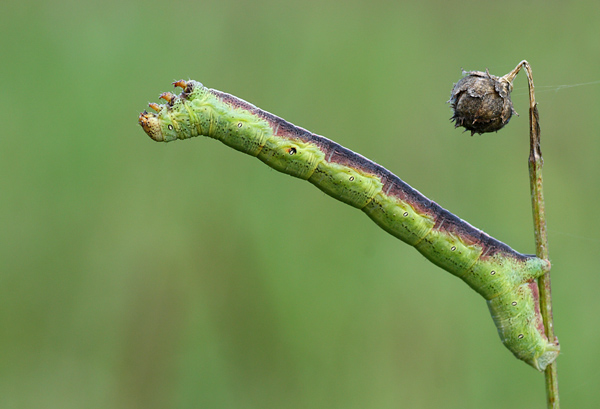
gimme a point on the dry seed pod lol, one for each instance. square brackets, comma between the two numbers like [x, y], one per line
[481, 102]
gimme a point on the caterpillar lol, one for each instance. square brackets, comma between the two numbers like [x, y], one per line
[505, 278]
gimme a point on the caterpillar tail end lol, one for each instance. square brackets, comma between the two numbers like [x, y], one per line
[538, 356]
[520, 326]
[547, 357]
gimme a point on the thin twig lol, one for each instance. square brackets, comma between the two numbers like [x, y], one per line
[539, 221]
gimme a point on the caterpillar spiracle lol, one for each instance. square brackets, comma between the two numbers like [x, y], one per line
[504, 277]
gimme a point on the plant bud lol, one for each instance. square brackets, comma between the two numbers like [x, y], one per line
[481, 102]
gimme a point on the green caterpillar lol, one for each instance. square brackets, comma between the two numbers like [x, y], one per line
[504, 277]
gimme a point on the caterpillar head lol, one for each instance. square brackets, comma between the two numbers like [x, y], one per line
[151, 125]
[159, 126]
[171, 120]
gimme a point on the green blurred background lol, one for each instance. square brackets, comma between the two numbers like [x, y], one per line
[143, 275]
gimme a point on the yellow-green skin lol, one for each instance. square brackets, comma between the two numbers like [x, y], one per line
[504, 277]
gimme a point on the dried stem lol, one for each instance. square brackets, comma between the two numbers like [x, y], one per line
[539, 222]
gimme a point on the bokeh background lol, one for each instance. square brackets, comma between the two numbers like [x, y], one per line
[135, 274]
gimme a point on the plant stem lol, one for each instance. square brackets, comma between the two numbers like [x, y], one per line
[539, 222]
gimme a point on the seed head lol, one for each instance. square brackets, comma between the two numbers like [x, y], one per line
[481, 102]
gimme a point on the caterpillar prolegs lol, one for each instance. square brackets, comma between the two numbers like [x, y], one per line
[504, 277]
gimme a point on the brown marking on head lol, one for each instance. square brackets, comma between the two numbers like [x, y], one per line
[151, 126]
